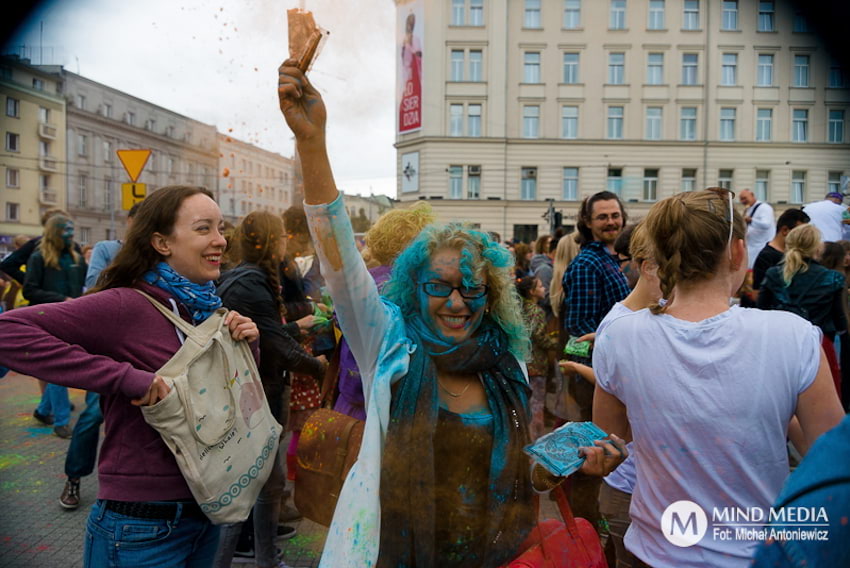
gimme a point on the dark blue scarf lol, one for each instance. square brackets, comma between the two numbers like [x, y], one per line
[407, 473]
[200, 299]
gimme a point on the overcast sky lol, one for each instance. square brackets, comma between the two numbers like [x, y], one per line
[217, 62]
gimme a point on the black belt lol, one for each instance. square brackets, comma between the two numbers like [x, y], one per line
[164, 511]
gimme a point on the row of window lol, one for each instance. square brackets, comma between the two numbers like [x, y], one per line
[105, 110]
[571, 191]
[13, 180]
[467, 66]
[13, 110]
[271, 173]
[83, 146]
[84, 184]
[471, 13]
[466, 120]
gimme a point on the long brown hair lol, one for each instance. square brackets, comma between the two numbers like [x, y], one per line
[690, 234]
[52, 243]
[156, 214]
[257, 240]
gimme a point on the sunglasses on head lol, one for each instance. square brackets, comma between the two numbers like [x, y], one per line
[729, 195]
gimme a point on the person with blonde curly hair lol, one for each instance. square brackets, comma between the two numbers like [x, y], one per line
[708, 390]
[441, 478]
[387, 238]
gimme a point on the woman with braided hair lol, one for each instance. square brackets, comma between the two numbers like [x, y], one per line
[253, 289]
[710, 389]
[441, 478]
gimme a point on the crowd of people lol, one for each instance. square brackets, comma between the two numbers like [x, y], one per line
[449, 346]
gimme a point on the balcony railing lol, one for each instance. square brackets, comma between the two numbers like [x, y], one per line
[46, 130]
[48, 197]
[48, 163]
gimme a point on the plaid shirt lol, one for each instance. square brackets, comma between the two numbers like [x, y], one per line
[592, 283]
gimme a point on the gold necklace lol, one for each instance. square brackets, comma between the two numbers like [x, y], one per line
[454, 394]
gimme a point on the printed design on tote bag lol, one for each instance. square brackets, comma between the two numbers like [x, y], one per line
[244, 480]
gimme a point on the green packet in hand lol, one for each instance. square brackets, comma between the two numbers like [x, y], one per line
[577, 348]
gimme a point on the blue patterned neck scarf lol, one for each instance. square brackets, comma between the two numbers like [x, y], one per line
[408, 487]
[199, 298]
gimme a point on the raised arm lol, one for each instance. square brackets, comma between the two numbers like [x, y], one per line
[362, 316]
[304, 110]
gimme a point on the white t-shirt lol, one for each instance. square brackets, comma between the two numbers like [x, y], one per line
[709, 404]
[622, 478]
[761, 229]
[826, 216]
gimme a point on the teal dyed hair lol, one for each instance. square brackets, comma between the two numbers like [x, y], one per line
[481, 259]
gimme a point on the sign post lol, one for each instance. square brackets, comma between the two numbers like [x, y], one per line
[134, 162]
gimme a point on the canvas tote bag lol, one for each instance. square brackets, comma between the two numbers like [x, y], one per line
[216, 420]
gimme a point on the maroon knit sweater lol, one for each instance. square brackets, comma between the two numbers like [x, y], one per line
[111, 343]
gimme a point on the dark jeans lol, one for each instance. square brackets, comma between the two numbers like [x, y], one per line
[266, 515]
[82, 453]
[55, 401]
[584, 494]
[614, 506]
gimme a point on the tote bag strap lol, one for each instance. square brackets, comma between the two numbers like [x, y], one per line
[200, 333]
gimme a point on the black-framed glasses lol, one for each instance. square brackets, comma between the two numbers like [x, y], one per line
[443, 290]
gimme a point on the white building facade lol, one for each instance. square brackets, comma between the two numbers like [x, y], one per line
[533, 100]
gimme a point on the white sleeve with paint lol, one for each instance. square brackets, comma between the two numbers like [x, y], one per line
[361, 314]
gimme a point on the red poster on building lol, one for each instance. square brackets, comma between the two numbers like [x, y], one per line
[410, 27]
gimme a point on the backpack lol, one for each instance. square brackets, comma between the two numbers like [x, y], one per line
[786, 303]
[216, 419]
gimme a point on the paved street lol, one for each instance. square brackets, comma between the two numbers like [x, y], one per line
[35, 531]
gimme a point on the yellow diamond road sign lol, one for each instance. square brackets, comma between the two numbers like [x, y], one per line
[132, 193]
[133, 161]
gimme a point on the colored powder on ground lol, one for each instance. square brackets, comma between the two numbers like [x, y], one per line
[9, 460]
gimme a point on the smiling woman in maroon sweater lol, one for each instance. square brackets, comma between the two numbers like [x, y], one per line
[112, 342]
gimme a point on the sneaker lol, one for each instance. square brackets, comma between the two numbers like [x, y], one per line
[246, 556]
[63, 431]
[70, 498]
[289, 514]
[285, 532]
[45, 419]
[243, 556]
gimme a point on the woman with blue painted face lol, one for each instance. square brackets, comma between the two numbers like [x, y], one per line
[55, 272]
[441, 478]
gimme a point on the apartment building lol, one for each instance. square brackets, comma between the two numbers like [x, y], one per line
[101, 120]
[364, 210]
[528, 102]
[252, 179]
[32, 162]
